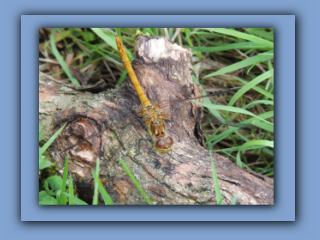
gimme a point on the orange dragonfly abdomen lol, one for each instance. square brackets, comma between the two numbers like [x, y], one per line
[127, 64]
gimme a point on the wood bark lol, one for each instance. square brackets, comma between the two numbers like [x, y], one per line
[183, 177]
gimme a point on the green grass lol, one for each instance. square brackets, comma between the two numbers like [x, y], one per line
[219, 197]
[134, 180]
[245, 58]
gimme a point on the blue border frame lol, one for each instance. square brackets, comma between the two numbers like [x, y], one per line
[284, 208]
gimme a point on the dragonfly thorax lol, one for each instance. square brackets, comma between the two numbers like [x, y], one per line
[155, 124]
[158, 128]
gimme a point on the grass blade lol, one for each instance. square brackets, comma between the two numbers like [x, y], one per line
[262, 33]
[64, 181]
[233, 109]
[133, 179]
[60, 59]
[108, 38]
[111, 40]
[231, 46]
[98, 186]
[234, 200]
[253, 145]
[48, 143]
[258, 89]
[266, 102]
[71, 190]
[250, 85]
[242, 35]
[219, 198]
[96, 180]
[107, 199]
[244, 63]
[77, 201]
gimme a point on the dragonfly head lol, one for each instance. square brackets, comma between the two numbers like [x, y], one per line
[163, 145]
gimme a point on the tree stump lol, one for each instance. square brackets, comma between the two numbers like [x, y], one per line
[183, 177]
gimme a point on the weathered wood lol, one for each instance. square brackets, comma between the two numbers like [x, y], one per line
[185, 177]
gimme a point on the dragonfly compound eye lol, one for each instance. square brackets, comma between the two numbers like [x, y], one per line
[160, 144]
[169, 141]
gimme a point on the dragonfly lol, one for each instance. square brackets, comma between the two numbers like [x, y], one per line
[152, 115]
[153, 119]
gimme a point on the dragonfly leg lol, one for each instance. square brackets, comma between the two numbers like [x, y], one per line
[150, 150]
[139, 141]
